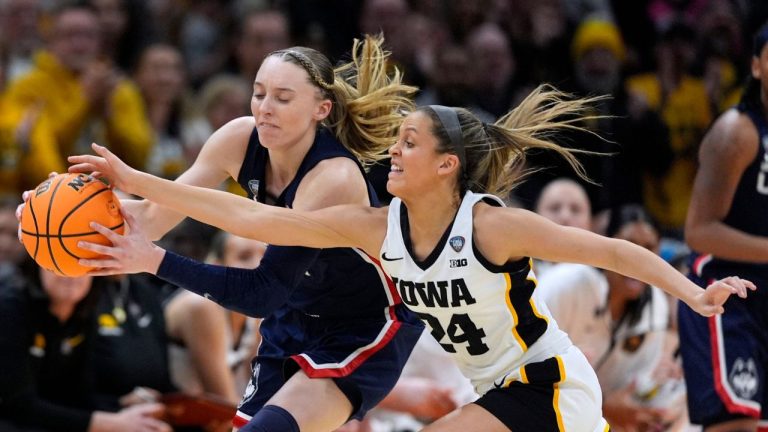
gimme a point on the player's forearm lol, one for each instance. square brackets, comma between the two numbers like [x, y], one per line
[155, 219]
[725, 242]
[639, 263]
[241, 216]
[223, 210]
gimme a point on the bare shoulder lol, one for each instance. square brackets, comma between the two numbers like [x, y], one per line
[732, 135]
[498, 229]
[492, 218]
[225, 148]
[235, 133]
[338, 170]
[332, 182]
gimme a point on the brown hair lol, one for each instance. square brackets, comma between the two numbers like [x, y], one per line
[495, 153]
[369, 104]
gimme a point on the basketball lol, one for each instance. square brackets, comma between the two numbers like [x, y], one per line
[58, 215]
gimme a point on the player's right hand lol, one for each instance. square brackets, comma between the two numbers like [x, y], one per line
[104, 164]
[130, 253]
[20, 208]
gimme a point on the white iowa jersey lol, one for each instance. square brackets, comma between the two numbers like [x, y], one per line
[483, 315]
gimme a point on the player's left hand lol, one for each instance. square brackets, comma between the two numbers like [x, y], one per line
[710, 301]
[129, 253]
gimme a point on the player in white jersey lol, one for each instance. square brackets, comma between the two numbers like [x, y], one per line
[458, 258]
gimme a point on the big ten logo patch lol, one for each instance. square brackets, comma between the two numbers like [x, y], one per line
[743, 378]
[454, 263]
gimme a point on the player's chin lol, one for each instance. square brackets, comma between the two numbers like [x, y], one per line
[394, 187]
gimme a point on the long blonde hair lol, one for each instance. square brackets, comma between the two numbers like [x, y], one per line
[495, 153]
[369, 103]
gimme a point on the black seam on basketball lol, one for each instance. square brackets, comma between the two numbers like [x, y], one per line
[62, 236]
[37, 229]
[64, 220]
[70, 235]
[80, 204]
[48, 226]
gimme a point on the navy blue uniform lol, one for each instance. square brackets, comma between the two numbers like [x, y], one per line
[728, 353]
[342, 319]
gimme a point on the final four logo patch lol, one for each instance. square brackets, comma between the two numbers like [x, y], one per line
[457, 243]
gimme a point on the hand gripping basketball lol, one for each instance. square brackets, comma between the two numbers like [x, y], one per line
[58, 215]
[104, 165]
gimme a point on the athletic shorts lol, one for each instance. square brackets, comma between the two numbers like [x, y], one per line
[364, 357]
[725, 357]
[561, 394]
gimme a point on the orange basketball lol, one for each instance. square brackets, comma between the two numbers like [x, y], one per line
[58, 215]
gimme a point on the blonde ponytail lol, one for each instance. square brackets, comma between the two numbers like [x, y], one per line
[496, 153]
[370, 103]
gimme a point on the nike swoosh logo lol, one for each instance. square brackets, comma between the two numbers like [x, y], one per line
[384, 256]
[498, 384]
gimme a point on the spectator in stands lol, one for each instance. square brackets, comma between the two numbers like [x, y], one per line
[621, 325]
[82, 98]
[28, 149]
[564, 202]
[69, 344]
[682, 103]
[161, 78]
[20, 22]
[260, 33]
[126, 31]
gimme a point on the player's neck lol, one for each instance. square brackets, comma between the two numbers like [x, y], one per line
[284, 162]
[429, 217]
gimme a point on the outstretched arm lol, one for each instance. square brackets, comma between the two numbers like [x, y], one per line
[505, 234]
[219, 159]
[341, 226]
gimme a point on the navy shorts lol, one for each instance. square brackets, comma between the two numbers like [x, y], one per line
[364, 357]
[725, 357]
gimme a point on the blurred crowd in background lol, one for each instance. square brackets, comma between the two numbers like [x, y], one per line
[152, 79]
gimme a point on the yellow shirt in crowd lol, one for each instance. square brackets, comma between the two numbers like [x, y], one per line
[58, 92]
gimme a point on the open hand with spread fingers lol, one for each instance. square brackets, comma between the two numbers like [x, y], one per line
[104, 164]
[710, 301]
[129, 253]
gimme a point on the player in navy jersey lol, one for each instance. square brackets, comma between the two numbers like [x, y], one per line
[725, 358]
[457, 257]
[335, 335]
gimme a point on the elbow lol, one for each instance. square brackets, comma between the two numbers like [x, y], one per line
[693, 237]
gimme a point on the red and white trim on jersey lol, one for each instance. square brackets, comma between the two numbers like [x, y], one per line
[349, 364]
[762, 426]
[733, 403]
[393, 297]
[388, 331]
[700, 262]
[240, 419]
